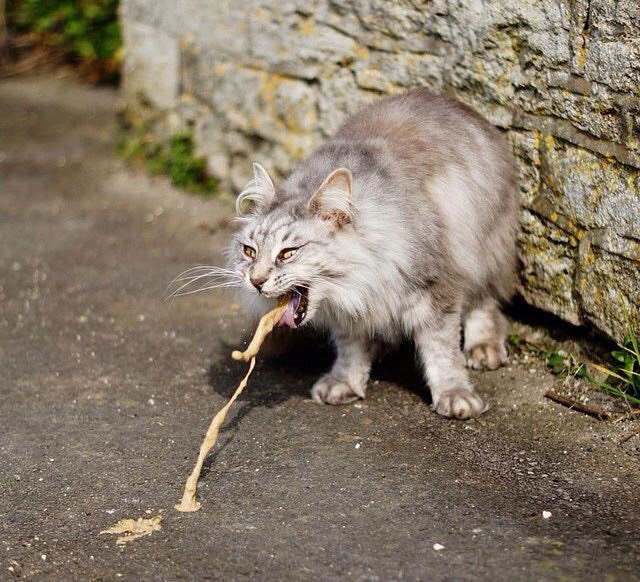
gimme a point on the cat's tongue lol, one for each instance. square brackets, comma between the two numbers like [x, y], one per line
[288, 319]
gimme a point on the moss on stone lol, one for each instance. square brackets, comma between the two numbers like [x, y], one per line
[176, 158]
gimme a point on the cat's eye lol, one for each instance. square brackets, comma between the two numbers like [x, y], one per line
[249, 251]
[285, 254]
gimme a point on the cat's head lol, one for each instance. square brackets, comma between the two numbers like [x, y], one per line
[289, 244]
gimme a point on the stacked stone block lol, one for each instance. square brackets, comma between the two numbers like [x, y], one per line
[269, 80]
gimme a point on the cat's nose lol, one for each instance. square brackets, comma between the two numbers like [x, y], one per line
[258, 282]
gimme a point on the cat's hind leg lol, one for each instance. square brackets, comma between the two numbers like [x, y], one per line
[485, 334]
[349, 375]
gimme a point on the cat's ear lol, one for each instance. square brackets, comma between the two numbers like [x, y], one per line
[332, 201]
[260, 190]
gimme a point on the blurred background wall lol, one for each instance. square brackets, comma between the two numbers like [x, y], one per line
[268, 80]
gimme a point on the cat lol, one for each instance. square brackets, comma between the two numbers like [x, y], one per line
[402, 225]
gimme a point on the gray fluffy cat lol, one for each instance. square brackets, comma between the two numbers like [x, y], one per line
[402, 225]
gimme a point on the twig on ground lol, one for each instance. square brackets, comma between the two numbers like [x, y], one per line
[628, 437]
[589, 409]
[634, 412]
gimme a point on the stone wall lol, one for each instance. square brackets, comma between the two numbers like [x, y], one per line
[269, 80]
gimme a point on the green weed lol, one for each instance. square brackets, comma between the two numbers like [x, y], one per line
[622, 379]
[88, 30]
[515, 340]
[176, 159]
[185, 169]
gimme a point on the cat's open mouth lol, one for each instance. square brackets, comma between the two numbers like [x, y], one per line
[296, 308]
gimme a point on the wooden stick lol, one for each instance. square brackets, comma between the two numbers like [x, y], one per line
[589, 409]
[628, 437]
[634, 412]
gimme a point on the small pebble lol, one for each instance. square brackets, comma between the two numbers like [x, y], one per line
[438, 547]
[358, 445]
[546, 514]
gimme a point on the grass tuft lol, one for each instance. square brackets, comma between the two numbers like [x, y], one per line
[620, 379]
[175, 159]
[87, 30]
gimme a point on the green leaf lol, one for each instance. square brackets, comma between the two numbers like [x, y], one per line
[607, 371]
[88, 29]
[556, 362]
[619, 355]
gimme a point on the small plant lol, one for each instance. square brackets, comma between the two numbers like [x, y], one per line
[623, 381]
[88, 30]
[177, 159]
[514, 340]
[563, 364]
[185, 169]
[626, 376]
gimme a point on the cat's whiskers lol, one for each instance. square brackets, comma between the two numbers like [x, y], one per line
[208, 269]
[208, 288]
[214, 277]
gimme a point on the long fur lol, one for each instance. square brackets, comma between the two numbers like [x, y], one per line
[430, 238]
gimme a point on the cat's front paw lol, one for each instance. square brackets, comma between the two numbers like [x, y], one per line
[459, 403]
[490, 355]
[330, 390]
